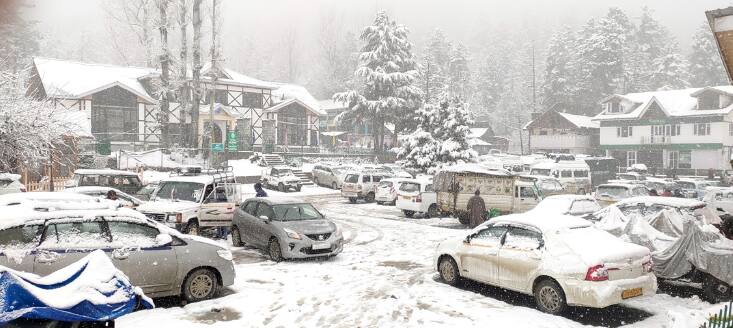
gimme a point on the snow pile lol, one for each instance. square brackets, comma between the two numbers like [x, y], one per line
[154, 158]
[91, 289]
[245, 168]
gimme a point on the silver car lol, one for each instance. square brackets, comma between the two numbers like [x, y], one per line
[286, 228]
[156, 258]
[329, 176]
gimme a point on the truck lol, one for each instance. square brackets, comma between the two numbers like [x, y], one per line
[190, 203]
[501, 190]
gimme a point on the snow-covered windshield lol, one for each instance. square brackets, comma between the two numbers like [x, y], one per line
[385, 184]
[179, 190]
[614, 191]
[554, 205]
[296, 212]
[352, 178]
[21, 237]
[543, 172]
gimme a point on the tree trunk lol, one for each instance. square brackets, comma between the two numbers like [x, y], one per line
[165, 73]
[184, 87]
[196, 20]
[147, 37]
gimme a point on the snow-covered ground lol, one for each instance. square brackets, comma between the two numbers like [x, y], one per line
[385, 278]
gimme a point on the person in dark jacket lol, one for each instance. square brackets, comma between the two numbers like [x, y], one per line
[260, 192]
[476, 210]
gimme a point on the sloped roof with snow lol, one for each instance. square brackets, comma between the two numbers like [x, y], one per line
[581, 121]
[477, 132]
[287, 91]
[72, 79]
[331, 105]
[674, 103]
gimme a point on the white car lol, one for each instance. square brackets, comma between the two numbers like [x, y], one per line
[10, 183]
[560, 260]
[575, 205]
[387, 190]
[362, 185]
[282, 178]
[417, 196]
[609, 193]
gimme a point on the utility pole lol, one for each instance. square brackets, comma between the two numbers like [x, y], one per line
[213, 82]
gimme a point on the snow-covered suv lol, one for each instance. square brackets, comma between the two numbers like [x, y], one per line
[282, 178]
[188, 203]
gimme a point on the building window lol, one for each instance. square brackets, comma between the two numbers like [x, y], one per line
[673, 158]
[543, 132]
[702, 129]
[613, 107]
[730, 129]
[630, 158]
[251, 100]
[624, 132]
[685, 160]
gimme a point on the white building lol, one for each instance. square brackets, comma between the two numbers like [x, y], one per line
[685, 131]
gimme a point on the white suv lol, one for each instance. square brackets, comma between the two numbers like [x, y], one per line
[361, 186]
[417, 196]
[282, 178]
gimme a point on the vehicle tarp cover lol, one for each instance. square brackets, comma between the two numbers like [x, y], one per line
[700, 245]
[91, 289]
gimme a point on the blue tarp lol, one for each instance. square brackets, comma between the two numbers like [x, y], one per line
[90, 289]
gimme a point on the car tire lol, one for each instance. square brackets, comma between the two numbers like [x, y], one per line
[432, 211]
[315, 182]
[380, 203]
[408, 214]
[334, 186]
[352, 200]
[369, 197]
[280, 187]
[714, 290]
[274, 250]
[549, 297]
[192, 228]
[463, 218]
[236, 237]
[298, 188]
[448, 270]
[200, 284]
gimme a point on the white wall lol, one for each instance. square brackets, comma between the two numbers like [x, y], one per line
[709, 158]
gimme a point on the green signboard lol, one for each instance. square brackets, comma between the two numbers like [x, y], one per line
[232, 140]
[217, 147]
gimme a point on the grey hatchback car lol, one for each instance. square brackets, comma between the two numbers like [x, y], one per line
[285, 228]
[160, 260]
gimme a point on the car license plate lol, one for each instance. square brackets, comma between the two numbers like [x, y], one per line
[629, 293]
[318, 246]
[350, 194]
[406, 197]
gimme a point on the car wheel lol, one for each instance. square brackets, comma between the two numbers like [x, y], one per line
[369, 197]
[274, 250]
[380, 203]
[200, 285]
[550, 297]
[315, 181]
[408, 214]
[463, 218]
[433, 211]
[236, 237]
[714, 290]
[449, 271]
[193, 228]
[352, 200]
[334, 186]
[281, 187]
[298, 188]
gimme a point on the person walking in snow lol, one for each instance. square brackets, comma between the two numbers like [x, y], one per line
[260, 192]
[476, 210]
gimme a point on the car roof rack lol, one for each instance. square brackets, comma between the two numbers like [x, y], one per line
[224, 174]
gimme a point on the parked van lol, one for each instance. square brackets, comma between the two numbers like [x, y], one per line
[362, 185]
[574, 175]
[417, 196]
[500, 190]
[126, 181]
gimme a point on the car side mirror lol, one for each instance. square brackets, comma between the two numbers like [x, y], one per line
[468, 239]
[163, 239]
[264, 218]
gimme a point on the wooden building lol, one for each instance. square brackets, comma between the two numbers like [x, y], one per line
[556, 132]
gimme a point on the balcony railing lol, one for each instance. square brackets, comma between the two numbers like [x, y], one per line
[656, 140]
[560, 141]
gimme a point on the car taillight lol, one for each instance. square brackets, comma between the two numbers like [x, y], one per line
[22, 189]
[648, 266]
[597, 273]
[418, 199]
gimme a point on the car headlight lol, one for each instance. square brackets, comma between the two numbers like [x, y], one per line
[291, 234]
[225, 254]
[338, 233]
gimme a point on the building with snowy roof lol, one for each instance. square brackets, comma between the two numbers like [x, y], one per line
[686, 131]
[557, 132]
[122, 108]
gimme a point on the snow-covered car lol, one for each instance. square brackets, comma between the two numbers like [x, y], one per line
[560, 260]
[362, 185]
[285, 228]
[147, 190]
[329, 175]
[38, 238]
[125, 199]
[659, 184]
[609, 193]
[126, 181]
[549, 186]
[189, 203]
[50, 199]
[282, 178]
[417, 196]
[575, 205]
[386, 192]
[10, 183]
[692, 188]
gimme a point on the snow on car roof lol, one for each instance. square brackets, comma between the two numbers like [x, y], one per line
[278, 200]
[205, 179]
[571, 197]
[665, 201]
[474, 168]
[9, 176]
[621, 185]
[104, 172]
[546, 223]
[89, 189]
[16, 215]
[24, 197]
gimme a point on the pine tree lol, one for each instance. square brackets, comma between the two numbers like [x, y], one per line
[706, 67]
[435, 66]
[459, 74]
[387, 72]
[454, 145]
[18, 35]
[670, 72]
[558, 77]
